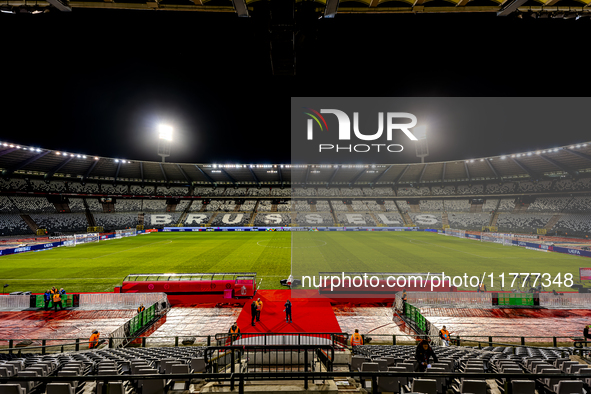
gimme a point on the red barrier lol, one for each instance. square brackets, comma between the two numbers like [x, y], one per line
[196, 291]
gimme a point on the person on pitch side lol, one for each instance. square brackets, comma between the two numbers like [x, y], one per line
[287, 310]
[94, 340]
[356, 338]
[259, 309]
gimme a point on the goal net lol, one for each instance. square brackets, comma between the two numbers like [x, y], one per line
[130, 232]
[70, 240]
[455, 233]
[504, 239]
[87, 238]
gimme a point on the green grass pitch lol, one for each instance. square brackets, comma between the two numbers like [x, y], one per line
[101, 266]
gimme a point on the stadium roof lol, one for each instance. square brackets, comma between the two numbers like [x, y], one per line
[243, 7]
[571, 161]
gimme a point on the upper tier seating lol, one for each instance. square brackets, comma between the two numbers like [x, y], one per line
[33, 204]
[301, 192]
[328, 192]
[507, 205]
[379, 191]
[124, 205]
[467, 189]
[443, 191]
[549, 204]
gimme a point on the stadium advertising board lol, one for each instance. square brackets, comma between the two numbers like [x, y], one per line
[30, 248]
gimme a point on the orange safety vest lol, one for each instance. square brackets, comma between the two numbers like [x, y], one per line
[56, 298]
[93, 342]
[259, 305]
[445, 334]
[356, 339]
[141, 309]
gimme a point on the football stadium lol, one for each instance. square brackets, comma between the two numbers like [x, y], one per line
[422, 226]
[163, 266]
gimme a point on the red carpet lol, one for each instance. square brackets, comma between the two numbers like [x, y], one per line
[309, 315]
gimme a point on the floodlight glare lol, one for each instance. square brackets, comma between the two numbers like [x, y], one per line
[165, 132]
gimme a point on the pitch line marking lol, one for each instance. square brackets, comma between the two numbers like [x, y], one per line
[291, 247]
[457, 250]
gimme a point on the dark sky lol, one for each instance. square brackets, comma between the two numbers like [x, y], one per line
[99, 81]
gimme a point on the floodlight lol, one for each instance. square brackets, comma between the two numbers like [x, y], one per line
[165, 132]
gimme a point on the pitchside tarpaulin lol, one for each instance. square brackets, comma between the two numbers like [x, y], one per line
[585, 273]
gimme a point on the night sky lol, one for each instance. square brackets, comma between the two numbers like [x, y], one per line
[99, 81]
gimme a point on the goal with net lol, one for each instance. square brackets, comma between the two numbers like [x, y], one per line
[129, 232]
[455, 233]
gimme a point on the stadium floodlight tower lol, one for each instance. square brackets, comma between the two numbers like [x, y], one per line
[421, 144]
[164, 141]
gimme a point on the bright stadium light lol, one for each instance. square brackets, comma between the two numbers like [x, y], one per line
[421, 145]
[165, 132]
[164, 141]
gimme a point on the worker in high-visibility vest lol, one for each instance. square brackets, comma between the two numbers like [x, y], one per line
[444, 335]
[234, 333]
[57, 301]
[586, 333]
[259, 305]
[94, 340]
[141, 308]
[356, 338]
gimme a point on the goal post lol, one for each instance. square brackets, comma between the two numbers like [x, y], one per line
[128, 232]
[455, 232]
[87, 238]
[70, 241]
